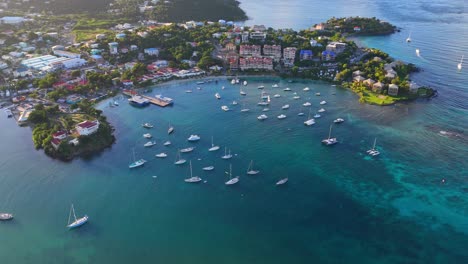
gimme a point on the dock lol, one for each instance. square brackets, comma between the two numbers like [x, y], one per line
[156, 101]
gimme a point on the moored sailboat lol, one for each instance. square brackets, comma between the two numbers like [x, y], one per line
[231, 180]
[213, 146]
[250, 170]
[329, 141]
[192, 179]
[373, 151]
[78, 221]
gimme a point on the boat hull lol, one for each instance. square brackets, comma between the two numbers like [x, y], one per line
[78, 222]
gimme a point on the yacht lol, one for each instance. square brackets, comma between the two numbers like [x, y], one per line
[276, 96]
[306, 104]
[284, 107]
[149, 144]
[287, 89]
[250, 170]
[136, 163]
[147, 125]
[262, 117]
[192, 179]
[300, 114]
[323, 102]
[161, 155]
[186, 150]
[281, 116]
[282, 181]
[317, 94]
[245, 83]
[167, 143]
[373, 151]
[231, 180]
[194, 138]
[225, 108]
[213, 146]
[306, 89]
[217, 96]
[170, 130]
[5, 216]
[338, 120]
[317, 116]
[321, 110]
[209, 168]
[78, 221]
[275, 85]
[147, 135]
[226, 154]
[260, 87]
[329, 141]
[116, 103]
[235, 103]
[310, 121]
[179, 160]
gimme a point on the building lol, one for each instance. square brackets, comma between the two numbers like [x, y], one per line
[12, 20]
[67, 54]
[393, 89]
[55, 143]
[250, 50]
[320, 26]
[272, 51]
[289, 55]
[245, 37]
[369, 82]
[60, 135]
[100, 36]
[413, 87]
[358, 78]
[258, 35]
[87, 127]
[120, 36]
[256, 63]
[231, 47]
[151, 51]
[113, 48]
[305, 55]
[377, 87]
[314, 43]
[328, 55]
[337, 47]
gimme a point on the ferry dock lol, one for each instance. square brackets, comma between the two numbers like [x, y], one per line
[159, 101]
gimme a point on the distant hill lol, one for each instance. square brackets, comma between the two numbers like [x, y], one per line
[63, 6]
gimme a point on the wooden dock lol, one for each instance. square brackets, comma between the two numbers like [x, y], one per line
[156, 101]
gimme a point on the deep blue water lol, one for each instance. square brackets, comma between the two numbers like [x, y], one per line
[338, 207]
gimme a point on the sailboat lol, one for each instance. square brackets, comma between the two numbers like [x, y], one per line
[373, 151]
[329, 141]
[459, 66]
[408, 39]
[417, 52]
[179, 160]
[310, 121]
[5, 216]
[244, 109]
[136, 163]
[242, 92]
[226, 155]
[250, 170]
[78, 221]
[231, 180]
[213, 147]
[217, 96]
[282, 181]
[170, 130]
[192, 179]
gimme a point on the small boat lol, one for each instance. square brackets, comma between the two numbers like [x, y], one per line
[290, 81]
[116, 103]
[237, 81]
[310, 121]
[233, 81]
[317, 116]
[245, 110]
[147, 125]
[245, 83]
[235, 103]
[287, 89]
[78, 221]
[263, 103]
[260, 87]
[338, 120]
[226, 154]
[209, 168]
[136, 163]
[250, 170]
[262, 117]
[300, 114]
[284, 107]
[231, 180]
[408, 39]
[242, 92]
[317, 94]
[192, 179]
[170, 130]
[281, 116]
[275, 85]
[213, 147]
[329, 141]
[282, 181]
[373, 151]
[222, 87]
[225, 108]
[5, 216]
[306, 104]
[323, 102]
[186, 150]
[149, 144]
[188, 91]
[460, 64]
[417, 52]
[167, 143]
[199, 88]
[306, 89]
[147, 135]
[296, 97]
[194, 138]
[217, 96]
[266, 109]
[277, 96]
[8, 113]
[161, 155]
[179, 160]
[201, 82]
[321, 110]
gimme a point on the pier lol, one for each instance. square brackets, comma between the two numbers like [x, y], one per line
[157, 101]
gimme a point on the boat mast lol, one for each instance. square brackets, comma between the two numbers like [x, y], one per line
[329, 133]
[190, 168]
[230, 171]
[375, 141]
[212, 144]
[73, 209]
[69, 215]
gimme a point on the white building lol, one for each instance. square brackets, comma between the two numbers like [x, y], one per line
[113, 48]
[151, 52]
[87, 127]
[66, 54]
[12, 20]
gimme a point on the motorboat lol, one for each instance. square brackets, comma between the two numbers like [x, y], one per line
[194, 138]
[225, 108]
[275, 85]
[277, 96]
[317, 116]
[167, 143]
[306, 89]
[306, 104]
[317, 94]
[321, 110]
[262, 117]
[287, 89]
[281, 116]
[149, 144]
[296, 97]
[266, 109]
[147, 135]
[338, 120]
[5, 216]
[260, 87]
[284, 107]
[282, 181]
[323, 102]
[218, 96]
[161, 155]
[263, 103]
[235, 103]
[186, 150]
[147, 125]
[300, 114]
[209, 168]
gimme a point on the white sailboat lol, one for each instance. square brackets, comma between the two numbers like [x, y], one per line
[192, 179]
[282, 116]
[282, 181]
[167, 143]
[226, 154]
[262, 117]
[329, 141]
[208, 168]
[307, 104]
[310, 121]
[243, 110]
[306, 89]
[218, 96]
[242, 92]
[417, 53]
[460, 65]
[78, 221]
[231, 180]
[170, 130]
[408, 39]
[147, 125]
[284, 107]
[149, 144]
[193, 138]
[213, 147]
[179, 160]
[338, 120]
[245, 83]
[147, 135]
[187, 150]
[136, 163]
[250, 170]
[373, 151]
[225, 108]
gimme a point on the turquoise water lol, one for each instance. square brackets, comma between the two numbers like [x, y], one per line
[338, 205]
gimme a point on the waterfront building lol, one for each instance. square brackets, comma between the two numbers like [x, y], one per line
[250, 50]
[369, 82]
[60, 135]
[377, 87]
[258, 35]
[273, 51]
[413, 87]
[113, 48]
[245, 37]
[289, 55]
[55, 143]
[305, 55]
[321, 26]
[337, 47]
[256, 63]
[358, 78]
[393, 89]
[120, 36]
[67, 54]
[87, 127]
[328, 55]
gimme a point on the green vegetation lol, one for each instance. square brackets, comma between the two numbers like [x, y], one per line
[367, 26]
[86, 28]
